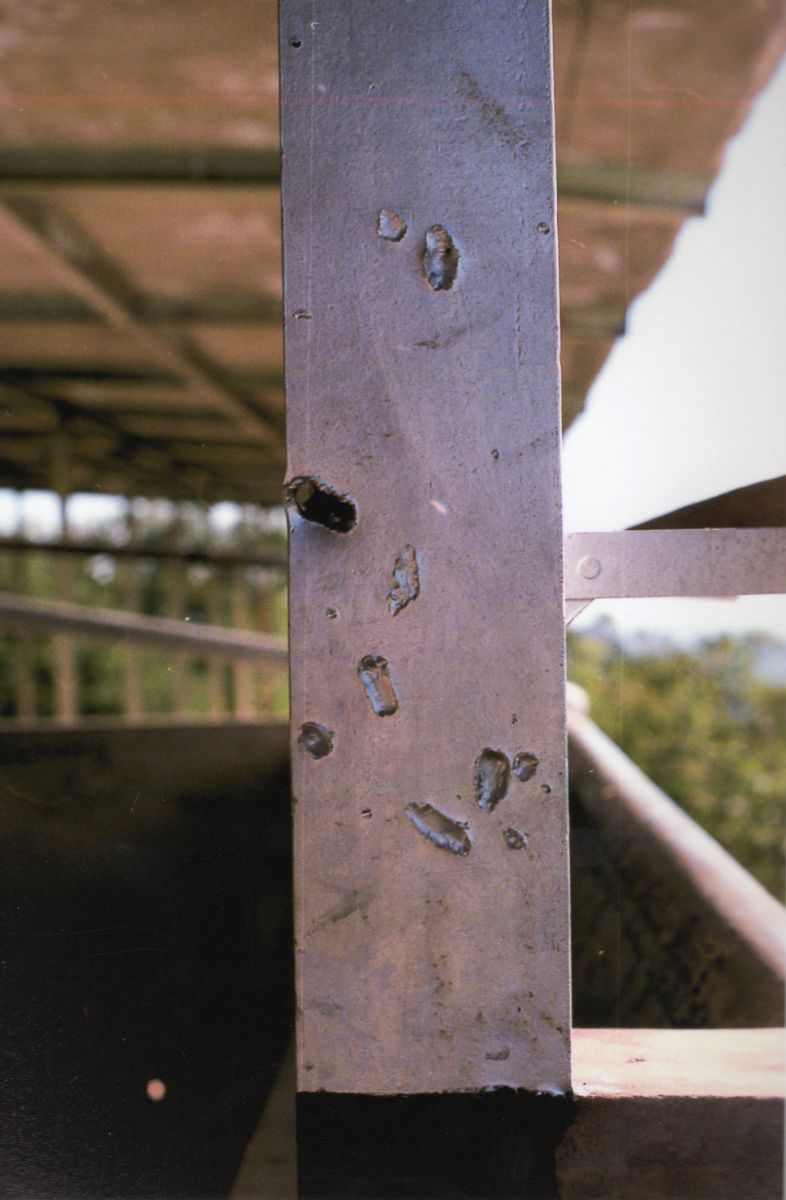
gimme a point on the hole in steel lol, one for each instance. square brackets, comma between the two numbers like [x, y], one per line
[295, 43]
[321, 504]
[316, 739]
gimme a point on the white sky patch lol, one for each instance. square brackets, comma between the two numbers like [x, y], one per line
[692, 402]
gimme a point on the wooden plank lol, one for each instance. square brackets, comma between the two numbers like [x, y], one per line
[418, 144]
[667, 1114]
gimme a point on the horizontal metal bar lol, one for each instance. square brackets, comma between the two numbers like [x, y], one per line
[236, 166]
[216, 558]
[105, 166]
[675, 562]
[239, 309]
[54, 616]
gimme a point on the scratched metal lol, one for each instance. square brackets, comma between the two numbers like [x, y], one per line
[675, 562]
[422, 385]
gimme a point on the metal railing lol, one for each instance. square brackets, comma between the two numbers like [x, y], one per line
[139, 630]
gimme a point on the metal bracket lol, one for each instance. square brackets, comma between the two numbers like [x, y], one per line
[672, 562]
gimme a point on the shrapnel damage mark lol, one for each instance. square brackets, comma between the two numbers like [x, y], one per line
[321, 504]
[375, 677]
[390, 225]
[443, 831]
[515, 840]
[440, 259]
[406, 580]
[492, 773]
[315, 739]
[525, 764]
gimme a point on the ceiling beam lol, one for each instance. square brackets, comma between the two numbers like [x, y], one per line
[236, 166]
[81, 267]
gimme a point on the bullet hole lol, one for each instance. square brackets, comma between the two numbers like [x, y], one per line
[495, 455]
[295, 43]
[440, 259]
[300, 314]
[390, 226]
[366, 814]
[315, 739]
[498, 1055]
[322, 505]
[544, 228]
[544, 787]
[331, 614]
[525, 764]
[375, 677]
[514, 839]
[443, 831]
[406, 580]
[492, 772]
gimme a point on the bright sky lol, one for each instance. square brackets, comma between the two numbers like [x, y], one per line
[692, 402]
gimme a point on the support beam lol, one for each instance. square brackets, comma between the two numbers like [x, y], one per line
[675, 1114]
[684, 562]
[421, 354]
[139, 550]
[752, 507]
[81, 267]
[56, 616]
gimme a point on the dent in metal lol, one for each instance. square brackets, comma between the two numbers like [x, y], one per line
[440, 829]
[440, 259]
[391, 226]
[525, 764]
[406, 576]
[375, 677]
[492, 773]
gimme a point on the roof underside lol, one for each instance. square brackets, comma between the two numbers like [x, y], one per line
[140, 293]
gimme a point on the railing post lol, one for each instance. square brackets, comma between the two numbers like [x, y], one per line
[427, 626]
[64, 648]
[130, 592]
[242, 672]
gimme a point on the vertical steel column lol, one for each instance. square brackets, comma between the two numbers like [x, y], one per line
[426, 614]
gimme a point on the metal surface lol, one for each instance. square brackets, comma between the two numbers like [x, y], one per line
[432, 408]
[685, 562]
[59, 616]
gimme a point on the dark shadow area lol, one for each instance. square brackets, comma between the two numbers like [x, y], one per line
[146, 935]
[449, 1147]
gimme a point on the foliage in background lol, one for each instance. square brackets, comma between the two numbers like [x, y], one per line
[708, 726]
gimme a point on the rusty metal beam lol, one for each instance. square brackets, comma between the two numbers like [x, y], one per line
[423, 426]
[81, 267]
